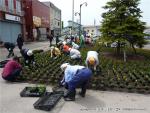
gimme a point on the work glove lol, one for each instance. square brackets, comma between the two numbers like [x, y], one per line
[27, 61]
[33, 63]
[60, 84]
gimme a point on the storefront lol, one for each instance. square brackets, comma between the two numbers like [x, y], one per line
[10, 27]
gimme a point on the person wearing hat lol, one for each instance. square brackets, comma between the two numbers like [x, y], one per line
[55, 52]
[75, 75]
[12, 69]
[28, 56]
[92, 59]
[65, 48]
[75, 46]
[75, 54]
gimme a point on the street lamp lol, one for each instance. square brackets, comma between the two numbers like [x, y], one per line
[80, 16]
[77, 13]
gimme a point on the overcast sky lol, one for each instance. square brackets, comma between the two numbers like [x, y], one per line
[93, 10]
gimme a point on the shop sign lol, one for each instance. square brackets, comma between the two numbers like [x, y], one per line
[12, 17]
[36, 21]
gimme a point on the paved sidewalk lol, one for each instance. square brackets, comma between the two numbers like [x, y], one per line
[94, 102]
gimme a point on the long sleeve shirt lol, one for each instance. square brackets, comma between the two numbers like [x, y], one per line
[70, 71]
[10, 67]
[74, 53]
[92, 54]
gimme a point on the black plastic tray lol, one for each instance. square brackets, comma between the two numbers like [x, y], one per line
[2, 63]
[58, 89]
[48, 101]
[26, 92]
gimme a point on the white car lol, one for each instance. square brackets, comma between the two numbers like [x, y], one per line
[114, 44]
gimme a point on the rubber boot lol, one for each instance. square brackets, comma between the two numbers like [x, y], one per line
[82, 93]
[70, 96]
[83, 89]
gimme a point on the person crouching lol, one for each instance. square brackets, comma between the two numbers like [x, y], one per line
[12, 69]
[75, 75]
[28, 56]
[55, 52]
[92, 59]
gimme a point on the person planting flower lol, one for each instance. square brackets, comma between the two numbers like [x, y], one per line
[75, 46]
[55, 52]
[75, 54]
[92, 59]
[12, 69]
[28, 56]
[75, 75]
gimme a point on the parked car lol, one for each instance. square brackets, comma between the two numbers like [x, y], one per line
[114, 44]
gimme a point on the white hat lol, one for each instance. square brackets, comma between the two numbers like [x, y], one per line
[29, 53]
[69, 49]
[64, 43]
[52, 47]
[63, 66]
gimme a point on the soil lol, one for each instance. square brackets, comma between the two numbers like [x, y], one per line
[120, 57]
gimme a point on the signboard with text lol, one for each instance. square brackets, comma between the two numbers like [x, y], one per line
[12, 17]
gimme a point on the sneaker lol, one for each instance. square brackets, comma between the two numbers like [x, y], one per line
[69, 98]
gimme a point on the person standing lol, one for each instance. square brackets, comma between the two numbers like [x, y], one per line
[10, 47]
[75, 75]
[12, 69]
[92, 59]
[20, 41]
[49, 36]
[82, 41]
[57, 40]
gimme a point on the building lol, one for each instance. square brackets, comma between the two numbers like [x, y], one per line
[147, 31]
[92, 30]
[11, 20]
[55, 19]
[37, 20]
[68, 30]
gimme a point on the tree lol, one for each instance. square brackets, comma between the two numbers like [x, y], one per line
[122, 23]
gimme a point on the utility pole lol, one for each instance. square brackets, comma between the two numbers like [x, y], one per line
[72, 17]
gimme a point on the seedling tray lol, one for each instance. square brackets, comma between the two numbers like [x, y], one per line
[32, 92]
[58, 89]
[2, 63]
[48, 101]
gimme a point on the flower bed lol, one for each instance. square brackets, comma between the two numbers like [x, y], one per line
[116, 75]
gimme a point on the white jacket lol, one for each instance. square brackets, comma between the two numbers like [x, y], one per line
[74, 53]
[92, 54]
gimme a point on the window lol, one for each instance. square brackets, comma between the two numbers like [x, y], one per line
[58, 23]
[11, 5]
[2, 3]
[18, 6]
[92, 30]
[87, 30]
